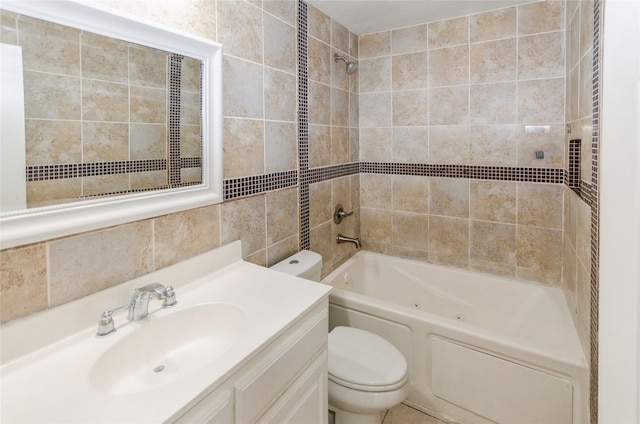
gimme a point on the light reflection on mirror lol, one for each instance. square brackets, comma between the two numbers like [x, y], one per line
[104, 117]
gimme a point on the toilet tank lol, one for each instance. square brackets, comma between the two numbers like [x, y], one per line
[304, 264]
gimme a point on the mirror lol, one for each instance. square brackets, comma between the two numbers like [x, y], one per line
[121, 121]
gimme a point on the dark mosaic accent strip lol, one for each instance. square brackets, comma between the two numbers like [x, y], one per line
[573, 176]
[501, 173]
[303, 124]
[317, 175]
[190, 163]
[593, 194]
[77, 170]
[175, 74]
[248, 186]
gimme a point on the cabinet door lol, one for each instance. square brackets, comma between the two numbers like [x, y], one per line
[305, 401]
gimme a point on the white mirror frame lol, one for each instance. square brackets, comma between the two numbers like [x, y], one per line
[38, 224]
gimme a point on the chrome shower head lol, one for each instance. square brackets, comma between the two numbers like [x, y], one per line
[352, 67]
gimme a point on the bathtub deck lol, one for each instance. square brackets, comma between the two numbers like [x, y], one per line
[403, 414]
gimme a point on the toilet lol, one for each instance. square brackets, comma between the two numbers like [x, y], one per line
[367, 374]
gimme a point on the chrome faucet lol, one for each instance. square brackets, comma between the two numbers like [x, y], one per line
[344, 239]
[138, 307]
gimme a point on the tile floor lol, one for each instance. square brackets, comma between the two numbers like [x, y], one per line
[403, 414]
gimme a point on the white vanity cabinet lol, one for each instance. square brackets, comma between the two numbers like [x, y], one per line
[283, 382]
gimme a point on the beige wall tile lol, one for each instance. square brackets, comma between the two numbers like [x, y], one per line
[449, 197]
[280, 251]
[279, 44]
[319, 61]
[375, 226]
[103, 184]
[573, 41]
[541, 100]
[541, 56]
[448, 33]
[449, 66]
[49, 96]
[494, 103]
[543, 16]
[283, 9]
[453, 106]
[410, 230]
[375, 191]
[501, 270]
[540, 205]
[410, 71]
[449, 144]
[583, 234]
[281, 146]
[23, 281]
[105, 141]
[246, 43]
[194, 16]
[493, 201]
[243, 147]
[320, 241]
[493, 25]
[244, 220]
[8, 27]
[339, 107]
[550, 144]
[190, 74]
[569, 275]
[149, 141]
[493, 61]
[319, 24]
[52, 142]
[146, 105]
[319, 104]
[49, 47]
[375, 74]
[409, 39]
[585, 103]
[449, 241]
[411, 144]
[104, 58]
[493, 242]
[374, 45]
[339, 145]
[190, 108]
[320, 204]
[586, 25]
[282, 214]
[42, 193]
[410, 108]
[570, 215]
[101, 259]
[375, 110]
[148, 67]
[319, 145]
[539, 254]
[410, 193]
[154, 179]
[279, 95]
[242, 89]
[185, 234]
[339, 36]
[376, 144]
[493, 145]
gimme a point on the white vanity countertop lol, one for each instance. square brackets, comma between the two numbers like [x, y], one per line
[48, 358]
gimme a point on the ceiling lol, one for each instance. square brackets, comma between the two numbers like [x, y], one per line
[368, 16]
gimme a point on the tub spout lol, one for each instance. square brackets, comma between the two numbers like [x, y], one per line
[343, 239]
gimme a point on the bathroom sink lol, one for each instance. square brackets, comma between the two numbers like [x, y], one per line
[162, 350]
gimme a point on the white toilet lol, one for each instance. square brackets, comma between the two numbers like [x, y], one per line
[367, 374]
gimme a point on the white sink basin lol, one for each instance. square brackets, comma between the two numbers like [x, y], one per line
[163, 350]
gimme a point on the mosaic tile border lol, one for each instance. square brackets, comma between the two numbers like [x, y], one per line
[77, 170]
[175, 83]
[592, 193]
[303, 124]
[256, 184]
[573, 175]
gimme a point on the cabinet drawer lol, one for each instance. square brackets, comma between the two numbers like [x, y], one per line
[215, 408]
[271, 379]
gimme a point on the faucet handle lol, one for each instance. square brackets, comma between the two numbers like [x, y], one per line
[169, 297]
[105, 325]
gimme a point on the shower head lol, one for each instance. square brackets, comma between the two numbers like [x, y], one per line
[351, 66]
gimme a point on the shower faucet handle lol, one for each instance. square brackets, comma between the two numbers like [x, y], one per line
[340, 214]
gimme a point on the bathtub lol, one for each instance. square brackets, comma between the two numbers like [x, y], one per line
[480, 349]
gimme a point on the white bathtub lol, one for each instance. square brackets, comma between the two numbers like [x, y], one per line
[480, 349]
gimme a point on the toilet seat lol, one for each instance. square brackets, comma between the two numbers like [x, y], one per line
[364, 361]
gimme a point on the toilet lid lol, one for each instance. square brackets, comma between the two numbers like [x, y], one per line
[360, 358]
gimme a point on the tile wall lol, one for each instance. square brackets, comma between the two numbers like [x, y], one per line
[576, 280]
[260, 131]
[457, 95]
